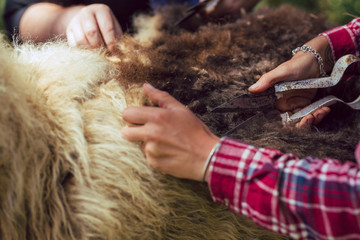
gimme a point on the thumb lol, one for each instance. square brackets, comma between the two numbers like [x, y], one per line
[161, 98]
[279, 74]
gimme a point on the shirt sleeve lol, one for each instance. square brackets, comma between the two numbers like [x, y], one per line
[345, 39]
[306, 198]
[14, 9]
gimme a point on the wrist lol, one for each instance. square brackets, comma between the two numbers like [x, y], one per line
[316, 50]
[315, 55]
[210, 156]
[322, 46]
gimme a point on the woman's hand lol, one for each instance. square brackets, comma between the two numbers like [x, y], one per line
[300, 66]
[94, 26]
[174, 140]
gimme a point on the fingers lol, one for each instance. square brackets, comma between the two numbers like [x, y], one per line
[94, 26]
[109, 27]
[306, 121]
[134, 134]
[118, 33]
[163, 99]
[75, 34]
[320, 114]
[91, 31]
[148, 123]
[314, 118]
[142, 115]
[279, 74]
[300, 66]
[118, 30]
[143, 133]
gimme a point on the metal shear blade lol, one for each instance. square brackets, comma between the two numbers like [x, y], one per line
[267, 100]
[207, 5]
[249, 102]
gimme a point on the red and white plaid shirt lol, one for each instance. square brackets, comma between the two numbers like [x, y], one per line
[307, 198]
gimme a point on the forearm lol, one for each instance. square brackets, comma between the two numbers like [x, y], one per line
[52, 21]
[322, 46]
[296, 197]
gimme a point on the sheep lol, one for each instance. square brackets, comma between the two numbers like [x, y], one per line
[67, 173]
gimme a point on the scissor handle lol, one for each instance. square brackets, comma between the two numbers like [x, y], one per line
[208, 5]
[338, 71]
[326, 101]
[192, 11]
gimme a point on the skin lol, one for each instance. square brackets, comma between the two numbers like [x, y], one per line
[93, 25]
[176, 142]
[300, 66]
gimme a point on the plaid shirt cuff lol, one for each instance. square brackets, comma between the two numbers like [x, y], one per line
[307, 198]
[344, 39]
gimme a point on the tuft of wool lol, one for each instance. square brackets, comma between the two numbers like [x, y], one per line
[148, 28]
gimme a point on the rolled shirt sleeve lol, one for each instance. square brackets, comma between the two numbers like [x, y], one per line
[306, 198]
[344, 39]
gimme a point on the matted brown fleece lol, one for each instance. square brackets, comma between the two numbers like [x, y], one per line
[206, 68]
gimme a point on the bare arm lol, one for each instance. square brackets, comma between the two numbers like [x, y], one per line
[52, 21]
[93, 25]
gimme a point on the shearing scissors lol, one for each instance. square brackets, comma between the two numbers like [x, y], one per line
[207, 6]
[267, 100]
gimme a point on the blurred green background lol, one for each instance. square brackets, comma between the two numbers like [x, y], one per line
[338, 11]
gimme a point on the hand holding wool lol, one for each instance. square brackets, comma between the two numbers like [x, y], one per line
[94, 25]
[174, 140]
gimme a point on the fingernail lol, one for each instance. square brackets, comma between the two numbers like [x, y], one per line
[149, 86]
[124, 111]
[254, 86]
